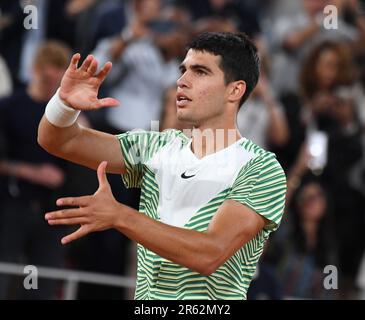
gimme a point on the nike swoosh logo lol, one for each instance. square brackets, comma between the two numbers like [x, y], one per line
[184, 176]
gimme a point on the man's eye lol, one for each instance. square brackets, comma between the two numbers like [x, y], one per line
[201, 72]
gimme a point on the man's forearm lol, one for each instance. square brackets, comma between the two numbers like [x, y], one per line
[53, 139]
[22, 170]
[16, 169]
[195, 250]
[295, 40]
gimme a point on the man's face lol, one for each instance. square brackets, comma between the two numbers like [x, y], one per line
[48, 78]
[201, 89]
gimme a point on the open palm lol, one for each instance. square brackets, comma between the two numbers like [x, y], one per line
[80, 85]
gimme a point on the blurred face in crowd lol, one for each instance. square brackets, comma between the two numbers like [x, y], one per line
[202, 91]
[176, 14]
[172, 44]
[327, 68]
[47, 79]
[312, 202]
[148, 10]
[218, 4]
[314, 6]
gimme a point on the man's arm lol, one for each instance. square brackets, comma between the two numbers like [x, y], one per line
[45, 174]
[232, 227]
[81, 145]
[295, 40]
[79, 90]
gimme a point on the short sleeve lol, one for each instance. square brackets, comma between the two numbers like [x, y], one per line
[137, 148]
[261, 185]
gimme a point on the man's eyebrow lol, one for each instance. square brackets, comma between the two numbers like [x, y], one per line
[195, 67]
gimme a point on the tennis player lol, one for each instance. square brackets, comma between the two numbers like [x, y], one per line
[208, 202]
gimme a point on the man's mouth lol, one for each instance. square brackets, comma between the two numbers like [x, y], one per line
[182, 100]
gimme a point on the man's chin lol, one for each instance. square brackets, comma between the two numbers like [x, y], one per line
[183, 116]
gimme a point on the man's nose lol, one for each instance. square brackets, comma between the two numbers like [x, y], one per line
[183, 81]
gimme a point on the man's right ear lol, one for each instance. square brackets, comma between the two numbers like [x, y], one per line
[236, 91]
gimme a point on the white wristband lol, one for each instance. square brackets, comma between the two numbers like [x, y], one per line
[59, 114]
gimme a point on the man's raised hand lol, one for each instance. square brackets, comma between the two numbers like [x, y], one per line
[80, 85]
[96, 212]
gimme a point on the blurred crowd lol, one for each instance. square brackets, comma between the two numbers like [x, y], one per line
[308, 108]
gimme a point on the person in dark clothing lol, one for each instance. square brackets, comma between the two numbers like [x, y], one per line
[30, 177]
[345, 151]
[245, 16]
[312, 244]
[13, 32]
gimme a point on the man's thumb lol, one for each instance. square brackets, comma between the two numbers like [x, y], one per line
[103, 181]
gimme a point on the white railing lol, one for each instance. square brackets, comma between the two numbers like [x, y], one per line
[72, 278]
[361, 278]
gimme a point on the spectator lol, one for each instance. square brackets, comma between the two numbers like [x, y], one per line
[262, 118]
[49, 18]
[94, 20]
[311, 246]
[345, 152]
[246, 19]
[327, 66]
[30, 176]
[265, 284]
[144, 67]
[296, 35]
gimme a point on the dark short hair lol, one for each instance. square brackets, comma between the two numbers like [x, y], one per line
[239, 58]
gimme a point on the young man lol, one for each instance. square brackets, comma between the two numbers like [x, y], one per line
[205, 213]
[30, 177]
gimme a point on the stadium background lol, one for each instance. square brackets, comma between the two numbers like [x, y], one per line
[312, 89]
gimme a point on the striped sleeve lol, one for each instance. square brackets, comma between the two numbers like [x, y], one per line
[261, 185]
[137, 148]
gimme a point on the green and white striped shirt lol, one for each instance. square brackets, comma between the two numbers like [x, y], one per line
[181, 190]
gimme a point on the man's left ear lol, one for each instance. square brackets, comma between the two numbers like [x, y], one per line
[236, 90]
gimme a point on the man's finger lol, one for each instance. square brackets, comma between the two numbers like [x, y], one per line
[103, 181]
[103, 72]
[74, 61]
[79, 233]
[87, 62]
[74, 201]
[93, 67]
[64, 214]
[107, 102]
[68, 222]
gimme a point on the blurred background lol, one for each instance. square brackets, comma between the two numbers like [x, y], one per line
[308, 108]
